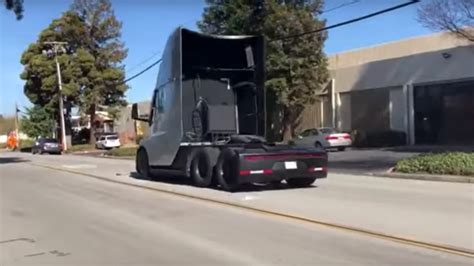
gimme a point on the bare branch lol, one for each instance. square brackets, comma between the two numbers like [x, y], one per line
[455, 16]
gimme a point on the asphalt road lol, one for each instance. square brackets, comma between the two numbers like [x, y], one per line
[50, 217]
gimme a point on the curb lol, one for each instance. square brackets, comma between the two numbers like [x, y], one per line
[118, 157]
[427, 177]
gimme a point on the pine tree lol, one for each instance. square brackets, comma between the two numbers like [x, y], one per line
[91, 68]
[102, 38]
[38, 122]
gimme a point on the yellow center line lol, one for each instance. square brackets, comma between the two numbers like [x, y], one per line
[402, 240]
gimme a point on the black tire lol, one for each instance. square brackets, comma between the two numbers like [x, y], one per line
[200, 168]
[142, 165]
[301, 182]
[341, 148]
[227, 170]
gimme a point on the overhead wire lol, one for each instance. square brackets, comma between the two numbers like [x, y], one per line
[306, 32]
[348, 21]
[143, 61]
[340, 6]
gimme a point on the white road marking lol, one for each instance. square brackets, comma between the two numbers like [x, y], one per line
[79, 166]
[249, 197]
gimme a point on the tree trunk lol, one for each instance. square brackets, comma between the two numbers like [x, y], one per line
[92, 123]
[287, 125]
[291, 121]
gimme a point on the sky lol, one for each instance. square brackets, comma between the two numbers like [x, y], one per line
[147, 24]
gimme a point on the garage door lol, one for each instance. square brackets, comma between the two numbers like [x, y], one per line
[444, 114]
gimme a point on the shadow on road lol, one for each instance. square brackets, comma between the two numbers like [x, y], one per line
[362, 165]
[181, 180]
[5, 160]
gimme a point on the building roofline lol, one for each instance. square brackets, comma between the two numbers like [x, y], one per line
[417, 37]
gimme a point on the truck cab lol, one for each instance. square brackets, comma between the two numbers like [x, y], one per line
[207, 117]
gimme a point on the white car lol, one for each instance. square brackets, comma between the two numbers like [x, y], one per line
[325, 138]
[108, 142]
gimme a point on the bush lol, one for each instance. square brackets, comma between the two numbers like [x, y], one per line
[388, 138]
[26, 145]
[454, 163]
[81, 147]
[123, 152]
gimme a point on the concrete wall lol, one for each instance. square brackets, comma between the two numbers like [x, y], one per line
[397, 49]
[416, 69]
[397, 107]
[344, 112]
[374, 85]
[370, 110]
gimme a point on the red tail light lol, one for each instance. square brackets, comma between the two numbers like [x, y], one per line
[244, 172]
[330, 138]
[281, 156]
[347, 136]
[267, 171]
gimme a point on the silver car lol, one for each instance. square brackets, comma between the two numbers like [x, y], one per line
[325, 138]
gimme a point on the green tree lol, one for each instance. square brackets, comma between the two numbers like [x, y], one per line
[77, 64]
[296, 67]
[39, 122]
[16, 6]
[102, 40]
[91, 68]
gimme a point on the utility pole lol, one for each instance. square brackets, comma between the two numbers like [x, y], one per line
[17, 130]
[59, 47]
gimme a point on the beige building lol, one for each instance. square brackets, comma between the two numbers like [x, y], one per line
[423, 86]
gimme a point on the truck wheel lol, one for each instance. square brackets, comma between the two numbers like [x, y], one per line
[200, 168]
[300, 182]
[142, 164]
[226, 170]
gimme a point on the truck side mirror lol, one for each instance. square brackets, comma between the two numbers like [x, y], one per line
[136, 114]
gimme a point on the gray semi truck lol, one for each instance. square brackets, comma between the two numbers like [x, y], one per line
[207, 117]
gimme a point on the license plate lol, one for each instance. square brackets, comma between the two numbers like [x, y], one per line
[290, 165]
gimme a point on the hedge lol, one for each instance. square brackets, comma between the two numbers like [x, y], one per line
[123, 152]
[450, 163]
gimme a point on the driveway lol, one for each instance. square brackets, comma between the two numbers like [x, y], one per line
[368, 161]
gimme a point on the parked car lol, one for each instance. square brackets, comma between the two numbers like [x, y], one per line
[326, 138]
[46, 145]
[108, 142]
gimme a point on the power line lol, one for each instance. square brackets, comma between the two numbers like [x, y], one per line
[303, 33]
[340, 6]
[143, 71]
[349, 21]
[143, 61]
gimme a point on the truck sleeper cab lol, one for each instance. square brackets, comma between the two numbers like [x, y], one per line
[207, 117]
